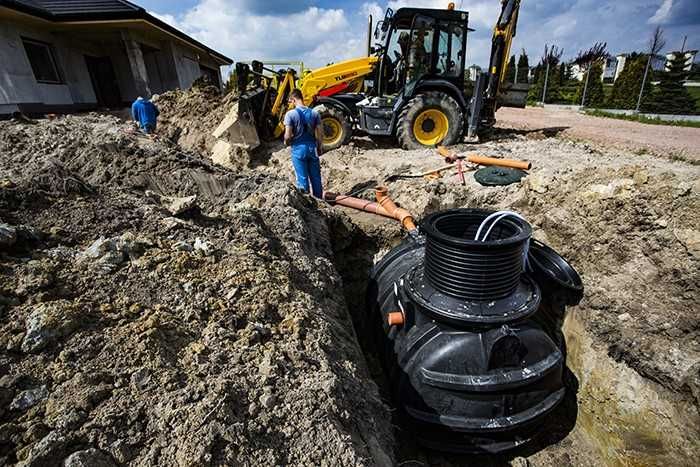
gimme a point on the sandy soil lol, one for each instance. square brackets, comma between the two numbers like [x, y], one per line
[665, 140]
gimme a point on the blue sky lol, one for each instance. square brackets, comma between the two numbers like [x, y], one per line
[330, 30]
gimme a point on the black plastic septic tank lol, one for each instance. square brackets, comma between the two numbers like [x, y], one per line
[470, 370]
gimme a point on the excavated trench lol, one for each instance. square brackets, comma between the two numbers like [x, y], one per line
[627, 222]
[610, 415]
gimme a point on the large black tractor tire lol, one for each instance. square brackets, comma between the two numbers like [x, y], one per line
[430, 119]
[337, 127]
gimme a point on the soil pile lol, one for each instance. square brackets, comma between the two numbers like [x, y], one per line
[189, 117]
[156, 309]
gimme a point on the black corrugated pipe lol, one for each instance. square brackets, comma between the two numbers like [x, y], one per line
[458, 265]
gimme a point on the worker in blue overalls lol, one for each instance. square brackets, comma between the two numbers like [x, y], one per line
[303, 131]
[146, 114]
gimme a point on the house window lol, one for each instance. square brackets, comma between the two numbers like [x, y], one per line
[42, 61]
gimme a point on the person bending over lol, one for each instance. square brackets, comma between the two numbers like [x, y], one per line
[146, 114]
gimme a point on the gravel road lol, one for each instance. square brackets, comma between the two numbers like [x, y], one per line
[664, 140]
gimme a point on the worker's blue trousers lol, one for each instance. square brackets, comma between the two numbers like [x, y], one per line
[307, 167]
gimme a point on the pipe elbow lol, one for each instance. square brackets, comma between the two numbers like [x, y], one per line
[400, 214]
[406, 219]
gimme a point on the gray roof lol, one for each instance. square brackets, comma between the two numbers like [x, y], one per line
[61, 8]
[99, 10]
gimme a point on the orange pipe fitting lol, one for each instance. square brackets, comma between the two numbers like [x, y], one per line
[400, 214]
[395, 318]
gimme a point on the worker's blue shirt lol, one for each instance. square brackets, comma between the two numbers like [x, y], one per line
[144, 112]
[303, 121]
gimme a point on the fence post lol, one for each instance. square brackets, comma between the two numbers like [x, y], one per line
[544, 91]
[585, 86]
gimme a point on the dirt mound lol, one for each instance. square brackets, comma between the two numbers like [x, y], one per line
[189, 117]
[156, 309]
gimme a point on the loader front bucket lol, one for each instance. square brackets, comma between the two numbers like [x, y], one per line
[240, 127]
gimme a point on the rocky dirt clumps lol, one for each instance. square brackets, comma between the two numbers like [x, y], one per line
[156, 328]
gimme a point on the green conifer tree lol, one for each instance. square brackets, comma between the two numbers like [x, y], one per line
[523, 68]
[595, 97]
[625, 91]
[671, 96]
[231, 83]
[565, 74]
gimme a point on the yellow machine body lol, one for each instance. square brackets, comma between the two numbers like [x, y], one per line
[312, 83]
[350, 71]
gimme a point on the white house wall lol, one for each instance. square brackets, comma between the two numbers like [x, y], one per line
[18, 82]
[187, 64]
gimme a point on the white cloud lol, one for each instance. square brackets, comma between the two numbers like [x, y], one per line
[372, 8]
[662, 13]
[314, 35]
[481, 13]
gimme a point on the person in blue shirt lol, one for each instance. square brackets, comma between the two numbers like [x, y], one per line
[304, 133]
[146, 114]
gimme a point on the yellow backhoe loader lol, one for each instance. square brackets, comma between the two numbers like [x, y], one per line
[410, 86]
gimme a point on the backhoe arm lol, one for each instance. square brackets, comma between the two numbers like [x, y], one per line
[503, 35]
[345, 76]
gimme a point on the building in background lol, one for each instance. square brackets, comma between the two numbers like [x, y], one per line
[614, 66]
[610, 69]
[67, 55]
[689, 58]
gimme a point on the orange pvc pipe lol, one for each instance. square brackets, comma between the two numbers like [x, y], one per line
[399, 214]
[395, 318]
[402, 215]
[515, 164]
[357, 203]
[444, 152]
[483, 160]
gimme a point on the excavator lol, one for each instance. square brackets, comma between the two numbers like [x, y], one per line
[411, 85]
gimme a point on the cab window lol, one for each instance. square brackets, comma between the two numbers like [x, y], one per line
[449, 49]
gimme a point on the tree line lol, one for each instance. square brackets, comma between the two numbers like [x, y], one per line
[553, 81]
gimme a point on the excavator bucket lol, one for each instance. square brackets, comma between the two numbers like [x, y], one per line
[513, 95]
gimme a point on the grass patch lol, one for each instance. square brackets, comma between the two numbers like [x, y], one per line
[643, 119]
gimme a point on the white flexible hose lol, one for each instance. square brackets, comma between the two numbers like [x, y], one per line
[500, 215]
